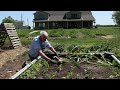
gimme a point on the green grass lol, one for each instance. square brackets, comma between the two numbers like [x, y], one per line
[82, 42]
[82, 37]
[23, 33]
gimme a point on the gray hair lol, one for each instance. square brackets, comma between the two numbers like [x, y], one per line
[44, 33]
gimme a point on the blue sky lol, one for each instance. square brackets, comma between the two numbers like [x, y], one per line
[102, 17]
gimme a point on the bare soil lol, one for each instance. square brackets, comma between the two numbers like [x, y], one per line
[105, 36]
[86, 71]
[11, 61]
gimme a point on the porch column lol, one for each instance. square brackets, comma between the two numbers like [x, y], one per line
[48, 20]
[82, 24]
[82, 21]
[89, 24]
[33, 25]
[48, 24]
[94, 23]
[67, 24]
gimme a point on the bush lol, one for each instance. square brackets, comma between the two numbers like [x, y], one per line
[59, 47]
[74, 48]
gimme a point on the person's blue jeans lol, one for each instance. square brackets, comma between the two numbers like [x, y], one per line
[31, 58]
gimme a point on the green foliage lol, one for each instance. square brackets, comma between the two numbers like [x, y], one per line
[51, 76]
[109, 46]
[9, 19]
[72, 34]
[74, 48]
[59, 47]
[116, 72]
[25, 41]
[104, 63]
[78, 76]
[69, 75]
[116, 17]
[23, 33]
[34, 69]
[71, 47]
[115, 64]
[76, 64]
[27, 75]
[45, 63]
[55, 33]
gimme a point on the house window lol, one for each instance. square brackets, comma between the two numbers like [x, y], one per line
[73, 15]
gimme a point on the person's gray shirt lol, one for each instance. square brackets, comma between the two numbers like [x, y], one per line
[36, 45]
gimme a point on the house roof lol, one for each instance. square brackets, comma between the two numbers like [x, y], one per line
[87, 15]
[58, 15]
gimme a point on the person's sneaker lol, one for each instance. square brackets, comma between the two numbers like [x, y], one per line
[25, 63]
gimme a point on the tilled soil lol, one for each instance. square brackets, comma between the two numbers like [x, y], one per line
[11, 61]
[86, 71]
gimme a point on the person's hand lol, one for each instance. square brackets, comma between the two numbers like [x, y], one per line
[56, 58]
[54, 61]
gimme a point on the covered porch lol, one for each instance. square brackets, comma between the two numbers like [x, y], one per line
[66, 24]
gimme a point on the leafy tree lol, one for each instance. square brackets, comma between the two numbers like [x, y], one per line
[116, 17]
[9, 19]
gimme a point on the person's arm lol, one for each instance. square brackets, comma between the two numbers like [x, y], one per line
[46, 58]
[43, 55]
[50, 47]
[53, 50]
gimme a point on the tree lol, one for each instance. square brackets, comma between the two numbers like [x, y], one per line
[116, 17]
[9, 19]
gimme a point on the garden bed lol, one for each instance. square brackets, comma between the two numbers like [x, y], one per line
[67, 70]
[86, 67]
[71, 69]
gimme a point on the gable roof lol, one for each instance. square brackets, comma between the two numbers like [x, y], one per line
[87, 15]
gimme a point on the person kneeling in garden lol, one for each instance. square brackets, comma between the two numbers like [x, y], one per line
[39, 43]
